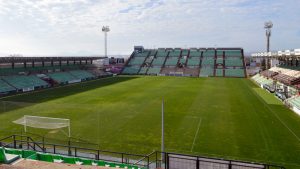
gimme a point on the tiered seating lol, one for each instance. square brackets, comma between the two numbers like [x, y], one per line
[51, 158]
[233, 58]
[295, 101]
[208, 61]
[182, 60]
[261, 80]
[154, 70]
[189, 62]
[137, 61]
[219, 61]
[234, 72]
[4, 87]
[11, 71]
[206, 71]
[25, 82]
[184, 52]
[82, 74]
[219, 72]
[195, 53]
[6, 157]
[143, 70]
[173, 57]
[235, 53]
[268, 73]
[209, 53]
[233, 62]
[162, 53]
[171, 61]
[131, 70]
[220, 53]
[286, 79]
[159, 61]
[193, 61]
[63, 77]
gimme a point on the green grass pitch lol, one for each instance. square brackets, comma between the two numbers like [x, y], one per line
[220, 117]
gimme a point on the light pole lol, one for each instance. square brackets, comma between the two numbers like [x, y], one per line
[105, 29]
[268, 27]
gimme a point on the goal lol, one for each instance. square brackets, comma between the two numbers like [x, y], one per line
[44, 123]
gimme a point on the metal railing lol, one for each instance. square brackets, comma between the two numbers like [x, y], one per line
[156, 159]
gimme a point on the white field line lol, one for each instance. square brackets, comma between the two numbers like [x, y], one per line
[275, 114]
[195, 138]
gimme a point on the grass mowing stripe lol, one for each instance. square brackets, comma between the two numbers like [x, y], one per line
[200, 119]
[267, 106]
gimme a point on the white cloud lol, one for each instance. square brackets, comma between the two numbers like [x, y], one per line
[72, 26]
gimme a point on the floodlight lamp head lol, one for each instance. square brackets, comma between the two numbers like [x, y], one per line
[105, 29]
[268, 25]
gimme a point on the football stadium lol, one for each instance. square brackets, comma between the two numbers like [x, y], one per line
[164, 108]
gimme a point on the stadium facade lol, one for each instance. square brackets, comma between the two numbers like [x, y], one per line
[283, 77]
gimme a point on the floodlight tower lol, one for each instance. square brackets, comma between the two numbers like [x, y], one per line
[105, 29]
[268, 27]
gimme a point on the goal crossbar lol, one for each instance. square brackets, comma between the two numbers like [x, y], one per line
[43, 122]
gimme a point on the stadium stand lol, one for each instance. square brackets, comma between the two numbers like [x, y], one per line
[63, 77]
[261, 80]
[202, 62]
[235, 72]
[37, 69]
[154, 70]
[6, 88]
[25, 83]
[206, 71]
[131, 70]
[219, 72]
[9, 155]
[82, 74]
[7, 158]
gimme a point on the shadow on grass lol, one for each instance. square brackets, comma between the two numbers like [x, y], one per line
[28, 99]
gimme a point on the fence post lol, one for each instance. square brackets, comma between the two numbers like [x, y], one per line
[98, 154]
[122, 158]
[197, 165]
[69, 150]
[230, 165]
[44, 145]
[75, 149]
[148, 161]
[166, 161]
[15, 143]
[54, 151]
[156, 159]
[27, 140]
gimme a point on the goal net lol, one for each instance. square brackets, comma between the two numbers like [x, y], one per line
[44, 123]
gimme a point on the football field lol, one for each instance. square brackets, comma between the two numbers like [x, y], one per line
[220, 117]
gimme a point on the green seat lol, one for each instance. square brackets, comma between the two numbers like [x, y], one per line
[69, 160]
[101, 163]
[29, 154]
[110, 164]
[13, 151]
[85, 161]
[45, 157]
[7, 158]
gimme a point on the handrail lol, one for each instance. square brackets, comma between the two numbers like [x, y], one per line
[17, 138]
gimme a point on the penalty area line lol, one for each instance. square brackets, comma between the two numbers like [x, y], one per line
[195, 138]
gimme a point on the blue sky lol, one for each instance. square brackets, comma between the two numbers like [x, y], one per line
[73, 27]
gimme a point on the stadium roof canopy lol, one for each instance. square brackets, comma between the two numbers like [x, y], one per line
[16, 59]
[294, 53]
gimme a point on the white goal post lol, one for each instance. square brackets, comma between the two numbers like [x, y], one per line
[44, 123]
